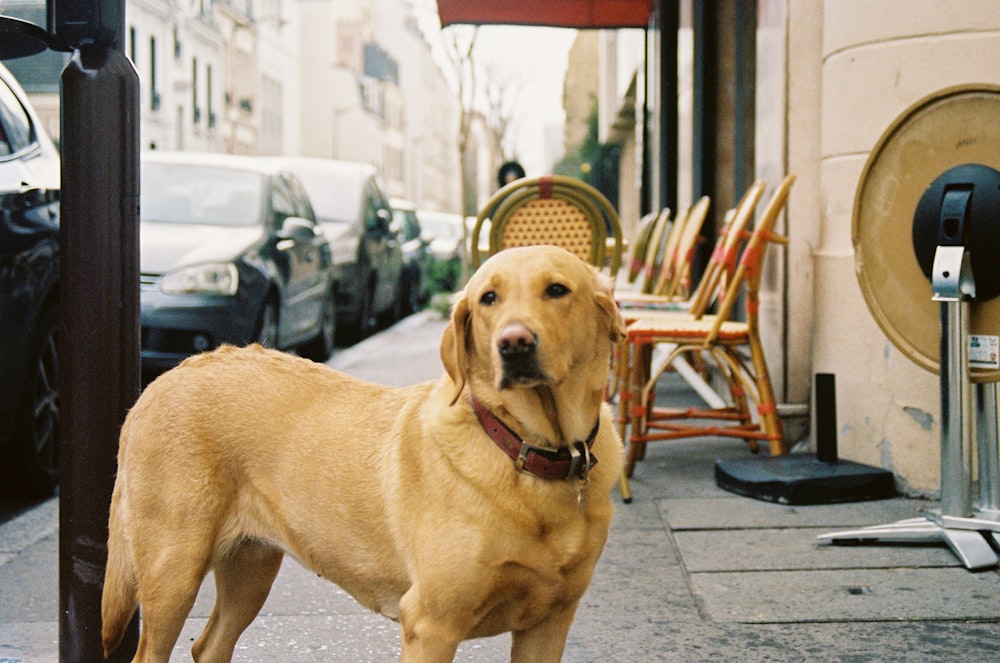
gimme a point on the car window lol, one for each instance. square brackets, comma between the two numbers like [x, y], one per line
[282, 206]
[16, 131]
[334, 198]
[300, 200]
[377, 202]
[188, 193]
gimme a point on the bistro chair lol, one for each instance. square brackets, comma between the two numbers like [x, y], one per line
[732, 346]
[647, 250]
[552, 210]
[634, 356]
[721, 264]
[675, 279]
[640, 244]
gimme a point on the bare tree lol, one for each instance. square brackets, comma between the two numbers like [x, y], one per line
[500, 93]
[459, 47]
[490, 99]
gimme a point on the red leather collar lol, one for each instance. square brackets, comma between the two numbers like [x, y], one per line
[564, 463]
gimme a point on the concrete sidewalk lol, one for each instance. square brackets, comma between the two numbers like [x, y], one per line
[691, 573]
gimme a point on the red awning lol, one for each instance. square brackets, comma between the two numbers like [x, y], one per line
[557, 13]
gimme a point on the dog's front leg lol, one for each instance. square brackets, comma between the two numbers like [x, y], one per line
[544, 642]
[425, 636]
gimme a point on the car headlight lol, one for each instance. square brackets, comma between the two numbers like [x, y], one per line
[211, 279]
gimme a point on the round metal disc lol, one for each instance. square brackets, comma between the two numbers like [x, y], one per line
[952, 127]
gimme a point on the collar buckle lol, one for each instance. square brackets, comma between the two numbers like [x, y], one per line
[580, 461]
[522, 456]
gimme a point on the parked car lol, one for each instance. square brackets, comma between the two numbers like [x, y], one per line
[354, 211]
[29, 297]
[230, 252]
[417, 260]
[447, 246]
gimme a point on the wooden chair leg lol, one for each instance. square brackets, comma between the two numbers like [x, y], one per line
[624, 489]
[766, 406]
[623, 379]
[641, 356]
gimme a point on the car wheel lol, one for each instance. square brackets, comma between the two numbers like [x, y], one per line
[36, 433]
[267, 323]
[321, 347]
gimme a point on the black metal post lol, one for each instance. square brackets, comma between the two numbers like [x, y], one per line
[669, 147]
[99, 355]
[826, 418]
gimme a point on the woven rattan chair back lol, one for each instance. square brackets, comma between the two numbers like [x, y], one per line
[552, 210]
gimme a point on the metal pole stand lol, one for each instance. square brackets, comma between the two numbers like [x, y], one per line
[957, 524]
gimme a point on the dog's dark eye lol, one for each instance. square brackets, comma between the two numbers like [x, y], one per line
[488, 299]
[556, 290]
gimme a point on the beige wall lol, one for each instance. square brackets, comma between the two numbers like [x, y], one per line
[877, 59]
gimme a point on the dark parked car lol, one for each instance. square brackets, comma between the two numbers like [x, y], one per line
[29, 301]
[417, 260]
[354, 211]
[230, 252]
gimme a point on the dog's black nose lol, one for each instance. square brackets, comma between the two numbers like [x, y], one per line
[515, 339]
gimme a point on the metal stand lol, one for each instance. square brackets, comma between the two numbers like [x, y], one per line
[962, 528]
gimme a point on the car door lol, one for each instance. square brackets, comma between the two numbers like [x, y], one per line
[383, 246]
[300, 250]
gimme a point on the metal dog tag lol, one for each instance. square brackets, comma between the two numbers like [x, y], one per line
[582, 475]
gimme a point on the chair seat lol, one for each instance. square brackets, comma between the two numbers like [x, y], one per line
[650, 301]
[682, 329]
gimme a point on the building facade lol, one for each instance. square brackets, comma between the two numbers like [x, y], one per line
[374, 93]
[353, 80]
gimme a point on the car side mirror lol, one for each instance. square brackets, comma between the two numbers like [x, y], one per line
[297, 228]
[379, 223]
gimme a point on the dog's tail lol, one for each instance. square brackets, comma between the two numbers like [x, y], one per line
[119, 598]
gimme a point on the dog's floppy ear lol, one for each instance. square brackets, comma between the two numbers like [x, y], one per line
[454, 345]
[605, 299]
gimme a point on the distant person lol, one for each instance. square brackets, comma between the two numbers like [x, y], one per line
[509, 171]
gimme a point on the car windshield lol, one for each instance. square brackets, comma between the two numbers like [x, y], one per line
[192, 194]
[335, 199]
[442, 226]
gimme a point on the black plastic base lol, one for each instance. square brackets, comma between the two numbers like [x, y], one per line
[801, 479]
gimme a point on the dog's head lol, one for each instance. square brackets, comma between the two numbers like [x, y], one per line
[530, 316]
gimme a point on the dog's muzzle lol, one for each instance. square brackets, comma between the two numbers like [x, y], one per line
[517, 346]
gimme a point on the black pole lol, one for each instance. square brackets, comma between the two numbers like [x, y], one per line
[99, 353]
[670, 23]
[826, 418]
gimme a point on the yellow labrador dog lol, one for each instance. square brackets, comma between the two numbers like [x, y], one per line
[467, 507]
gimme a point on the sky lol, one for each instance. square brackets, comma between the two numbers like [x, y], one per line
[531, 62]
[536, 59]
